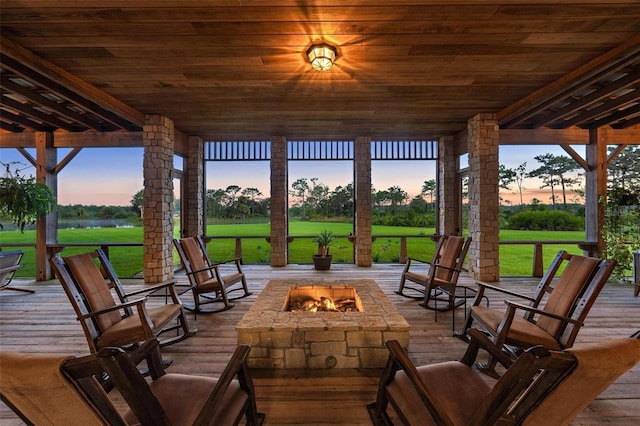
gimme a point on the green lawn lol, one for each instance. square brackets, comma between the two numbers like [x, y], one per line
[515, 260]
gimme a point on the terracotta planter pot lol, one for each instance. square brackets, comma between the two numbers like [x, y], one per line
[321, 263]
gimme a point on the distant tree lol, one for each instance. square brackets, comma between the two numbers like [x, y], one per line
[624, 170]
[319, 197]
[553, 172]
[429, 188]
[379, 198]
[300, 189]
[521, 173]
[252, 194]
[506, 177]
[137, 201]
[214, 201]
[341, 201]
[397, 196]
[107, 212]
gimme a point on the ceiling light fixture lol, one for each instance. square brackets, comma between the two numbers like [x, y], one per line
[321, 56]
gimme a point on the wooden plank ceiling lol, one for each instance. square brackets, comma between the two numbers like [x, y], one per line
[236, 69]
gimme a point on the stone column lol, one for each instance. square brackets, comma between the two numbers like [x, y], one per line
[157, 139]
[362, 188]
[194, 222]
[279, 217]
[449, 193]
[483, 140]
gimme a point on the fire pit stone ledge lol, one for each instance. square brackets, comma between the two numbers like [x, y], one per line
[285, 339]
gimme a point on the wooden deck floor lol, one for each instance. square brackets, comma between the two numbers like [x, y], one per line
[44, 322]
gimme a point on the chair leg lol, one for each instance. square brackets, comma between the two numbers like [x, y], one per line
[401, 286]
[245, 287]
[489, 368]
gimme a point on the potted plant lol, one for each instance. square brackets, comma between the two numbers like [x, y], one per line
[322, 260]
[22, 199]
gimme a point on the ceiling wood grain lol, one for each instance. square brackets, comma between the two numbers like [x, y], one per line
[236, 70]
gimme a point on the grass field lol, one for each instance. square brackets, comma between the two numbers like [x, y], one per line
[515, 260]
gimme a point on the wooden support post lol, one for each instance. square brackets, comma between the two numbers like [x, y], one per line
[239, 247]
[537, 260]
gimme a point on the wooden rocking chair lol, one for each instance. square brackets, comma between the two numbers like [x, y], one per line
[443, 270]
[63, 390]
[541, 387]
[9, 264]
[208, 284]
[122, 323]
[554, 315]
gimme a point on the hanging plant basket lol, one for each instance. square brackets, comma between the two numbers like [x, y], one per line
[22, 199]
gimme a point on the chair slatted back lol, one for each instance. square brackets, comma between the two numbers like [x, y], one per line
[450, 257]
[586, 300]
[93, 285]
[545, 286]
[598, 366]
[9, 264]
[77, 299]
[34, 387]
[566, 291]
[520, 390]
[194, 259]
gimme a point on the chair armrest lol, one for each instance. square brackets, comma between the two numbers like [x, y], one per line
[237, 261]
[131, 303]
[153, 288]
[10, 268]
[234, 260]
[517, 305]
[426, 262]
[208, 268]
[482, 286]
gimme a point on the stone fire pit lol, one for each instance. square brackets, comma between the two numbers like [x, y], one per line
[284, 339]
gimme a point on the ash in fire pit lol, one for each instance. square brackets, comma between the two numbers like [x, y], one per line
[323, 299]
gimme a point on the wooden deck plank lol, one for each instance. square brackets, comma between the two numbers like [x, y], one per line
[45, 322]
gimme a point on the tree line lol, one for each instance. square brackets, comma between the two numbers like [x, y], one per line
[312, 199]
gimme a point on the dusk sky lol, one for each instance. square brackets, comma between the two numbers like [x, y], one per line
[109, 176]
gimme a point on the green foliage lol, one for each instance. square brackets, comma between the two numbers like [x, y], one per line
[556, 220]
[22, 199]
[76, 212]
[324, 240]
[515, 260]
[621, 231]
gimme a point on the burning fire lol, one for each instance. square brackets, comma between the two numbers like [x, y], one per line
[325, 304]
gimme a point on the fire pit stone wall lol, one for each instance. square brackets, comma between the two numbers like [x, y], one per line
[282, 339]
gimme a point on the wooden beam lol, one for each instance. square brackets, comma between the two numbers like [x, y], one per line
[626, 136]
[570, 136]
[598, 96]
[577, 157]
[66, 160]
[586, 74]
[121, 139]
[17, 140]
[32, 113]
[71, 82]
[87, 139]
[544, 136]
